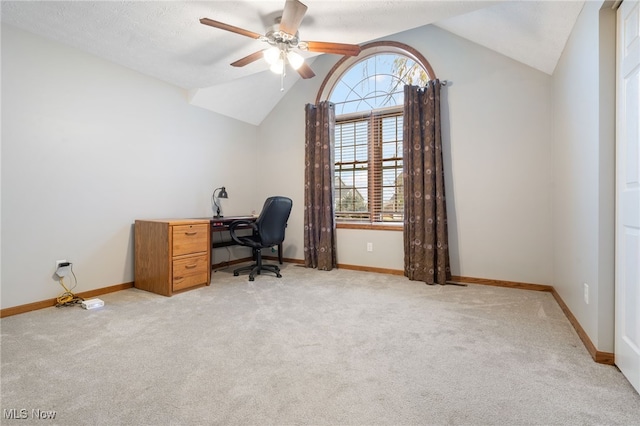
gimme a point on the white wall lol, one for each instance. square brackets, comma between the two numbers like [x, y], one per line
[496, 114]
[87, 148]
[583, 169]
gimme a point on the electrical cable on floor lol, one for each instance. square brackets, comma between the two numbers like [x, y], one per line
[68, 298]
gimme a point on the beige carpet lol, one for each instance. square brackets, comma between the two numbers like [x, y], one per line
[317, 348]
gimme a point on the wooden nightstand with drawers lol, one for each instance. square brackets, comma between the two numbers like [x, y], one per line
[172, 255]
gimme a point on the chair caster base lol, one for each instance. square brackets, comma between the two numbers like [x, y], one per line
[258, 269]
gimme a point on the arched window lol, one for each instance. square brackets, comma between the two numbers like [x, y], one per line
[368, 93]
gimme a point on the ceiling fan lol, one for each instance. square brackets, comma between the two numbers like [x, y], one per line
[283, 39]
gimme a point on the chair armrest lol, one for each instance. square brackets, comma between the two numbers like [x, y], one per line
[246, 224]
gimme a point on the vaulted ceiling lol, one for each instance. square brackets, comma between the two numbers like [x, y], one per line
[164, 39]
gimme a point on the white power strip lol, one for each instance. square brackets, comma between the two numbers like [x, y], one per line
[92, 303]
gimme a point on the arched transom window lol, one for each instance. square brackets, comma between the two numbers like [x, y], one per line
[368, 93]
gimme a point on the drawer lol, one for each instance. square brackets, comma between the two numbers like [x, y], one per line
[190, 239]
[190, 271]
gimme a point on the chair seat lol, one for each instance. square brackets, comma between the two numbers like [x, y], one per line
[250, 241]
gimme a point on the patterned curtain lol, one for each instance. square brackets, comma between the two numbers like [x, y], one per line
[426, 244]
[319, 219]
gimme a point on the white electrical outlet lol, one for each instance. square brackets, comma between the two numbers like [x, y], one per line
[369, 246]
[63, 268]
[586, 293]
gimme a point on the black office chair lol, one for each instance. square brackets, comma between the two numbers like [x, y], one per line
[268, 231]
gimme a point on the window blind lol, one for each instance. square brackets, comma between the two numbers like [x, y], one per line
[368, 167]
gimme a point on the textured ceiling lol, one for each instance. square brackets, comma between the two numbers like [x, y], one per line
[164, 39]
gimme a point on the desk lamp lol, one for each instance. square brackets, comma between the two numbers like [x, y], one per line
[221, 194]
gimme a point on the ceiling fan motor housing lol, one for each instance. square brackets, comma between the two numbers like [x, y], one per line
[275, 37]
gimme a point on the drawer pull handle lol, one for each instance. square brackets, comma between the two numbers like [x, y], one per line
[190, 233]
[178, 278]
[190, 266]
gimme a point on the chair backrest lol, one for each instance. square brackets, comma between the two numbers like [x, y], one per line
[273, 220]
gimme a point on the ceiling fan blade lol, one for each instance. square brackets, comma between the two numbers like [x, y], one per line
[305, 71]
[292, 16]
[336, 48]
[248, 59]
[227, 27]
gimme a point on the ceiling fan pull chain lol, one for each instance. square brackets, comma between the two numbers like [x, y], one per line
[283, 73]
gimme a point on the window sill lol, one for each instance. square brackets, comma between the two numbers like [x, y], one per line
[380, 226]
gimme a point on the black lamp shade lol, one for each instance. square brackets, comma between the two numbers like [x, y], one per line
[223, 193]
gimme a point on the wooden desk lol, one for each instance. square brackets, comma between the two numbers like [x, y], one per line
[221, 224]
[173, 255]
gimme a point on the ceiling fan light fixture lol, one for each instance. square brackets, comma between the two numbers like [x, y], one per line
[278, 66]
[295, 60]
[272, 55]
